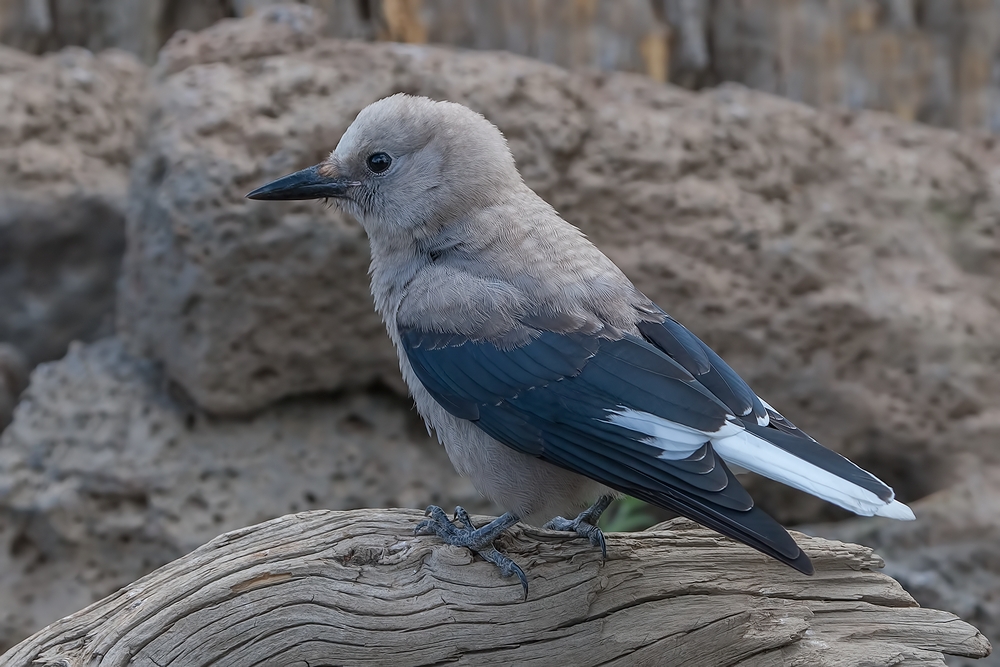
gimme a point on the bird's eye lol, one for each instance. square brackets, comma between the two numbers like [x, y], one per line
[379, 162]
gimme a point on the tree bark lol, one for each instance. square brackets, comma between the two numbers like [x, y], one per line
[357, 588]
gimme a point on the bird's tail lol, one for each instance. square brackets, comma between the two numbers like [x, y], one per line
[804, 464]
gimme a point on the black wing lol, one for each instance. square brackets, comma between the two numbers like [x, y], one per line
[554, 398]
[760, 419]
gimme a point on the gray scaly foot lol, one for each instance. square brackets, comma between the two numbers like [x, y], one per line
[585, 525]
[478, 540]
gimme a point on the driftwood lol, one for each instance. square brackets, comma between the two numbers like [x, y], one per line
[339, 588]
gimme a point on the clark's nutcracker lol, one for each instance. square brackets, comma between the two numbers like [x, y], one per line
[548, 377]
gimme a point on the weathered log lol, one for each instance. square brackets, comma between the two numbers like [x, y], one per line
[357, 587]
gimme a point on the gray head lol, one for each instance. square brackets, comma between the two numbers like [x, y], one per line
[408, 165]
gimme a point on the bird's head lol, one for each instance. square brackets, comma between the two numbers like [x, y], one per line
[408, 164]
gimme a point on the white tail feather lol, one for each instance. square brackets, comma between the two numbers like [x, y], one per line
[755, 454]
[896, 510]
[743, 450]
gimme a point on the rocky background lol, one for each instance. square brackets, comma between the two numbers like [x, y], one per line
[846, 263]
[928, 60]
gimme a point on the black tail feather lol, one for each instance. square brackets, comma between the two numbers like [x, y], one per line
[753, 527]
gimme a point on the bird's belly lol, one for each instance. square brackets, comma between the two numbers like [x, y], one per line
[521, 484]
[524, 485]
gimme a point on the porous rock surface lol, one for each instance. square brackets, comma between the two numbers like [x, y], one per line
[107, 473]
[68, 124]
[13, 380]
[842, 263]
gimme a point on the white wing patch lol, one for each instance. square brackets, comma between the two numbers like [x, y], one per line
[676, 440]
[742, 449]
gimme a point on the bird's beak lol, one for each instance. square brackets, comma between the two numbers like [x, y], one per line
[316, 182]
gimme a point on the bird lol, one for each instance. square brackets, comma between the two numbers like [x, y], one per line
[552, 381]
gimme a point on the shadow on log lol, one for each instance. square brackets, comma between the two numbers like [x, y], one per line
[346, 588]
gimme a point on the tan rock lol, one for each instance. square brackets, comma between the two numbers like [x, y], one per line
[105, 474]
[275, 29]
[68, 125]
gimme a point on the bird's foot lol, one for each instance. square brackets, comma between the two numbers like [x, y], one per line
[478, 540]
[585, 525]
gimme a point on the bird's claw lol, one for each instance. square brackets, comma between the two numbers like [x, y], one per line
[585, 525]
[438, 524]
[506, 564]
[478, 540]
[463, 516]
[583, 528]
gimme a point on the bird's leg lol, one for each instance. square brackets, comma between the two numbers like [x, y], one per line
[585, 525]
[479, 540]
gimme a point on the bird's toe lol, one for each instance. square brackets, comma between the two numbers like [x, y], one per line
[438, 524]
[478, 540]
[560, 523]
[583, 528]
[463, 517]
[506, 564]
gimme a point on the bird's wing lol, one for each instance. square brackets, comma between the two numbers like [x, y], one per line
[768, 443]
[622, 412]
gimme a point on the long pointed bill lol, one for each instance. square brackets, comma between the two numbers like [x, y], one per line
[309, 183]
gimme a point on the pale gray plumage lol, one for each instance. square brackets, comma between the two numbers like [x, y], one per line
[544, 372]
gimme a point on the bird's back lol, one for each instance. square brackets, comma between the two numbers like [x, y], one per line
[514, 264]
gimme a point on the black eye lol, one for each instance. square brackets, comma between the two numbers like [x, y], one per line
[379, 162]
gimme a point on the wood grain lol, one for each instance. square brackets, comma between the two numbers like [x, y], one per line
[357, 588]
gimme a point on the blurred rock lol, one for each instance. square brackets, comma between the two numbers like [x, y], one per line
[842, 263]
[949, 558]
[929, 61]
[247, 304]
[68, 124]
[272, 30]
[13, 380]
[104, 476]
[138, 27]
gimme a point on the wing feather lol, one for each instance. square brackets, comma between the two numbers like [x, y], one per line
[552, 398]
